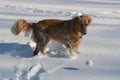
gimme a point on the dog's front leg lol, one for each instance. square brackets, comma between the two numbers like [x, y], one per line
[75, 49]
[71, 52]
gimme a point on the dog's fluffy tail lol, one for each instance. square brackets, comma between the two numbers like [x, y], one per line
[20, 25]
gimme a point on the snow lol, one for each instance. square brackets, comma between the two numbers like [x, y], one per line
[100, 47]
[89, 63]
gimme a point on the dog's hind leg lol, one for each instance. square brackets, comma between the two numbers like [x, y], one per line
[45, 45]
[41, 46]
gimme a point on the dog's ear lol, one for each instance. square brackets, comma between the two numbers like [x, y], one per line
[88, 20]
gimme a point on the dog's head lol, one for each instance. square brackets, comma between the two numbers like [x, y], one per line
[83, 22]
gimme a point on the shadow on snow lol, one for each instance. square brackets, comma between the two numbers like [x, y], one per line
[16, 49]
[26, 51]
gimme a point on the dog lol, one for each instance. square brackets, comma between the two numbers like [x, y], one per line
[67, 32]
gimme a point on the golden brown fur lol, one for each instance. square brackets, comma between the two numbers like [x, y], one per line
[67, 32]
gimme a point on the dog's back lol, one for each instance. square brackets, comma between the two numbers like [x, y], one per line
[54, 28]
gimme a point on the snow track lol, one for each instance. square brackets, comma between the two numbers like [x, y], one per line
[34, 72]
[28, 12]
[37, 71]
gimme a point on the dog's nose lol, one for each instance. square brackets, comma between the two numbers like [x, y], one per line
[85, 32]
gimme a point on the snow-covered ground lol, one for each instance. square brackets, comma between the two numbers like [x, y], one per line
[100, 47]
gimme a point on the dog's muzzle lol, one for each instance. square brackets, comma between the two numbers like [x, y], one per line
[84, 33]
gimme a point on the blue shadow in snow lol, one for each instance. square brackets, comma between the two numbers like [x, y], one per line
[70, 68]
[16, 50]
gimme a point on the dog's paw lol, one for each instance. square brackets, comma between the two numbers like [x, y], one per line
[73, 57]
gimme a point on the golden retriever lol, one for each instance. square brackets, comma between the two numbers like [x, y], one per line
[67, 32]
